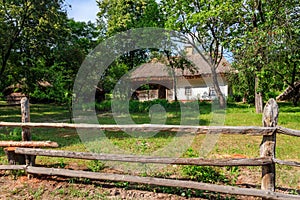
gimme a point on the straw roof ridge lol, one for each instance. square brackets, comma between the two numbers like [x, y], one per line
[158, 70]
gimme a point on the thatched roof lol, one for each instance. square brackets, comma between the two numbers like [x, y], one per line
[19, 87]
[156, 70]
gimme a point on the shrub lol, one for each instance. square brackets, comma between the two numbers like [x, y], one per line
[96, 166]
[204, 174]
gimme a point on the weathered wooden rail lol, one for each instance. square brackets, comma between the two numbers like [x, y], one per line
[267, 159]
[240, 130]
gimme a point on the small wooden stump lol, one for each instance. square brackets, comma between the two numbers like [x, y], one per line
[14, 158]
[21, 159]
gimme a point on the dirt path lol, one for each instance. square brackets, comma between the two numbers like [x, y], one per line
[60, 188]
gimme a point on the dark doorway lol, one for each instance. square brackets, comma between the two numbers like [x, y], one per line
[161, 92]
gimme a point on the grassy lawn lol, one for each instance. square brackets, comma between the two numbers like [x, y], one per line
[226, 145]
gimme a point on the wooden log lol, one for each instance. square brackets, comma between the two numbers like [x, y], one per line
[288, 131]
[28, 144]
[268, 145]
[12, 167]
[243, 130]
[289, 163]
[160, 182]
[146, 159]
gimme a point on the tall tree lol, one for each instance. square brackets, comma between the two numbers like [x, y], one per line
[206, 24]
[116, 16]
[62, 64]
[122, 15]
[29, 30]
[285, 51]
[266, 33]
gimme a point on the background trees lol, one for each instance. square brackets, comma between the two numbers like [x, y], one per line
[29, 29]
[121, 15]
[39, 44]
[264, 44]
[41, 49]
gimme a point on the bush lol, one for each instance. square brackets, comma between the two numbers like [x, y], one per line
[96, 166]
[136, 106]
[204, 174]
[103, 106]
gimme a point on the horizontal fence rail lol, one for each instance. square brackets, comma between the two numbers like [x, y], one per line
[154, 181]
[284, 162]
[146, 159]
[28, 144]
[243, 130]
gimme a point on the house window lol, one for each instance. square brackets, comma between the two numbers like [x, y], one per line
[212, 92]
[188, 91]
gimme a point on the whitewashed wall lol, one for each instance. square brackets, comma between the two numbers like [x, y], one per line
[200, 89]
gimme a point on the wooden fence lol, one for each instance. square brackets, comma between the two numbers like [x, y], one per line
[267, 159]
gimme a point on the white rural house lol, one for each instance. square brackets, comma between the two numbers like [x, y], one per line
[190, 85]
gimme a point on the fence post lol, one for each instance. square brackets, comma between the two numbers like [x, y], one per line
[268, 145]
[26, 135]
[25, 112]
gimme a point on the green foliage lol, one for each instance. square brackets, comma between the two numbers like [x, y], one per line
[15, 135]
[264, 45]
[17, 173]
[121, 15]
[29, 31]
[234, 172]
[117, 16]
[204, 174]
[96, 166]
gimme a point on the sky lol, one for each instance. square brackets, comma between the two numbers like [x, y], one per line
[82, 10]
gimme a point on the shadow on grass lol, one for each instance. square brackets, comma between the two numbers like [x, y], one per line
[288, 107]
[38, 113]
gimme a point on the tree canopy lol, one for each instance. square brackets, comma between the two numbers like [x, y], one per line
[39, 44]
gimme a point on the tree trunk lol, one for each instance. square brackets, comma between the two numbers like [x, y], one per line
[258, 98]
[296, 94]
[221, 98]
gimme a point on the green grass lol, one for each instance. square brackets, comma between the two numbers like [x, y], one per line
[236, 115]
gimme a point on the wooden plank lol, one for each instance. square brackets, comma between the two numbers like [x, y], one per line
[289, 163]
[28, 144]
[245, 130]
[268, 145]
[161, 182]
[12, 167]
[287, 131]
[146, 159]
